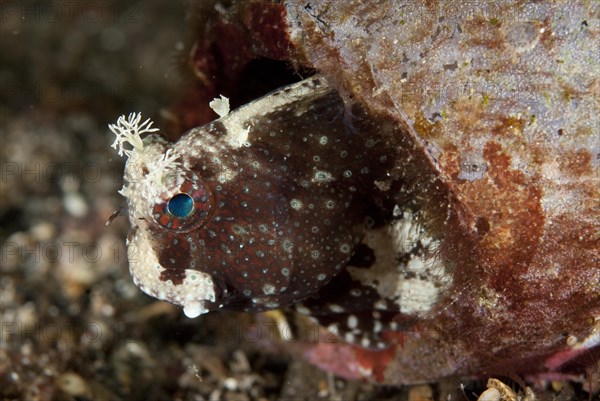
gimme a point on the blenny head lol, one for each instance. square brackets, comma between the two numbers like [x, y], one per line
[153, 175]
[256, 210]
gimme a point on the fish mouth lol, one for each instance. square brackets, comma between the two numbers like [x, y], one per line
[195, 291]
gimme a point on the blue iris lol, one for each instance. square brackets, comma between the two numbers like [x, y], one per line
[181, 205]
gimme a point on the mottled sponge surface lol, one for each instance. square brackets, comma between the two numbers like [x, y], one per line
[501, 99]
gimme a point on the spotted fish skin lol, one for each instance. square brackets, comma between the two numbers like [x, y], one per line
[283, 190]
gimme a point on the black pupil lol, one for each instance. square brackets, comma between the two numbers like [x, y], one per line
[181, 205]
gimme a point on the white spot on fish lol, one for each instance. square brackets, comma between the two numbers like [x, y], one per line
[322, 176]
[269, 289]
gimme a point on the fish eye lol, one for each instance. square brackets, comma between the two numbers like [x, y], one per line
[181, 205]
[186, 207]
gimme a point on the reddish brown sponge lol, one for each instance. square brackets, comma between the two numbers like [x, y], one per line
[502, 105]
